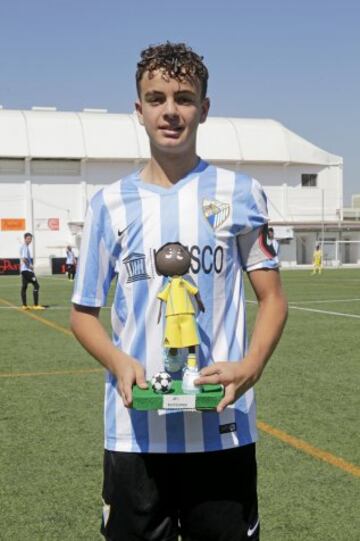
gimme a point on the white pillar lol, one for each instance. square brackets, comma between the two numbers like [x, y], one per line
[29, 211]
[83, 199]
[284, 209]
[83, 190]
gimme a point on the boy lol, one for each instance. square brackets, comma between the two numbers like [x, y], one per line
[169, 469]
[28, 275]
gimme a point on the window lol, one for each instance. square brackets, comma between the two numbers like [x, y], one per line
[54, 167]
[308, 180]
[12, 166]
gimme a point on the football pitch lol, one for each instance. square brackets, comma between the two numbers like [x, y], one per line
[308, 417]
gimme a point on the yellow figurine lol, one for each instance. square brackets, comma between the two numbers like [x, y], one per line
[173, 260]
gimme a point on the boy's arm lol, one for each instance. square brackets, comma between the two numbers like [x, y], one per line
[238, 377]
[89, 331]
[26, 262]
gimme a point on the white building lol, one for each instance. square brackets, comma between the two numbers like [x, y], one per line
[52, 162]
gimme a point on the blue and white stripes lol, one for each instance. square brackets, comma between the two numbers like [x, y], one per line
[215, 213]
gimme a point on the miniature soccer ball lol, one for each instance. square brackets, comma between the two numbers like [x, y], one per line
[161, 382]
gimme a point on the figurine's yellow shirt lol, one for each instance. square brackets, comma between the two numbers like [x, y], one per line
[176, 295]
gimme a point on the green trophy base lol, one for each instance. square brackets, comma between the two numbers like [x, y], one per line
[207, 399]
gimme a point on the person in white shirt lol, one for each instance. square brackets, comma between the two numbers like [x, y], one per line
[275, 244]
[28, 275]
[70, 263]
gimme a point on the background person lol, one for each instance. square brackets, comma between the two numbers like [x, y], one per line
[274, 242]
[70, 263]
[28, 275]
[317, 260]
[196, 469]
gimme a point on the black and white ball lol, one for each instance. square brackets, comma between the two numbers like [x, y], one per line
[161, 382]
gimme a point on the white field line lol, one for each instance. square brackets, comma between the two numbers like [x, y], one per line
[327, 312]
[51, 308]
[315, 310]
[324, 301]
[40, 279]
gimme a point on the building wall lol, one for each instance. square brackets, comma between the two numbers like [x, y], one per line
[63, 198]
[289, 201]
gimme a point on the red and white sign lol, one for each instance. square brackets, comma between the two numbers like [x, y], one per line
[47, 224]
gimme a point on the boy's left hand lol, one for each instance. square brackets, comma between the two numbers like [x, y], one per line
[237, 378]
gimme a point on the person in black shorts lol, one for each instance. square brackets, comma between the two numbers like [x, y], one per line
[70, 263]
[168, 472]
[213, 496]
[28, 275]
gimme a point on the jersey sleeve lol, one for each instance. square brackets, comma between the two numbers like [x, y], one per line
[255, 247]
[96, 264]
[164, 293]
[190, 287]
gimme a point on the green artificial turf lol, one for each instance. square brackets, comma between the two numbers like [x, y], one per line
[51, 417]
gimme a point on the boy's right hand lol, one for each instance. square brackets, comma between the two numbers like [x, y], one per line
[129, 372]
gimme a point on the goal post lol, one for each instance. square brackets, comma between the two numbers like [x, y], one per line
[337, 253]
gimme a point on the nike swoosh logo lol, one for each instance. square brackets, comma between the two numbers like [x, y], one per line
[252, 530]
[120, 233]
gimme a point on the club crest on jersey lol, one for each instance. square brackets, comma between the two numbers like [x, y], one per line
[215, 212]
[136, 267]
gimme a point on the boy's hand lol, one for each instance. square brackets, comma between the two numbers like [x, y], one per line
[129, 371]
[237, 378]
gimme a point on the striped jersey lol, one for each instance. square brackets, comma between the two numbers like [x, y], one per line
[25, 254]
[221, 217]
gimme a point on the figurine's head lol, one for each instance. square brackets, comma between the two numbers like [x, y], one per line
[173, 259]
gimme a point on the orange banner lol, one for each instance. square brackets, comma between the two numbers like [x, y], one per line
[13, 224]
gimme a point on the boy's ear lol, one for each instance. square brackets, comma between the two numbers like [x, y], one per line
[138, 109]
[205, 106]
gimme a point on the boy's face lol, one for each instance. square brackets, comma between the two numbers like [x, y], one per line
[171, 112]
[28, 239]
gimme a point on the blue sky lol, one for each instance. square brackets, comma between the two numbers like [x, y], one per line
[296, 61]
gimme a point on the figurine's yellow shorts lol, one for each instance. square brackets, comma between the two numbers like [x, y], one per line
[181, 331]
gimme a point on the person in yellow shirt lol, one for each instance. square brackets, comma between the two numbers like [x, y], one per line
[173, 260]
[317, 260]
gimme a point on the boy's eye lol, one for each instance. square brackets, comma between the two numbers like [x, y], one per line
[183, 100]
[154, 99]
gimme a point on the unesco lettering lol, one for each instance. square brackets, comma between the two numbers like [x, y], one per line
[208, 259]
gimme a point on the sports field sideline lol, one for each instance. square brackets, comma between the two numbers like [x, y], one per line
[308, 415]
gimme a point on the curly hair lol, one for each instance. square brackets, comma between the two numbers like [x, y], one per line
[176, 61]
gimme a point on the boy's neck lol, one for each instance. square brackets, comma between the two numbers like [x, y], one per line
[168, 170]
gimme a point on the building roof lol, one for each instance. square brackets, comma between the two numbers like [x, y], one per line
[47, 133]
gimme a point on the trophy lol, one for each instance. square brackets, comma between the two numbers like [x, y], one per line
[180, 336]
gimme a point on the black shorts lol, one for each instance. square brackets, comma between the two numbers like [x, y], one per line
[28, 277]
[202, 496]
